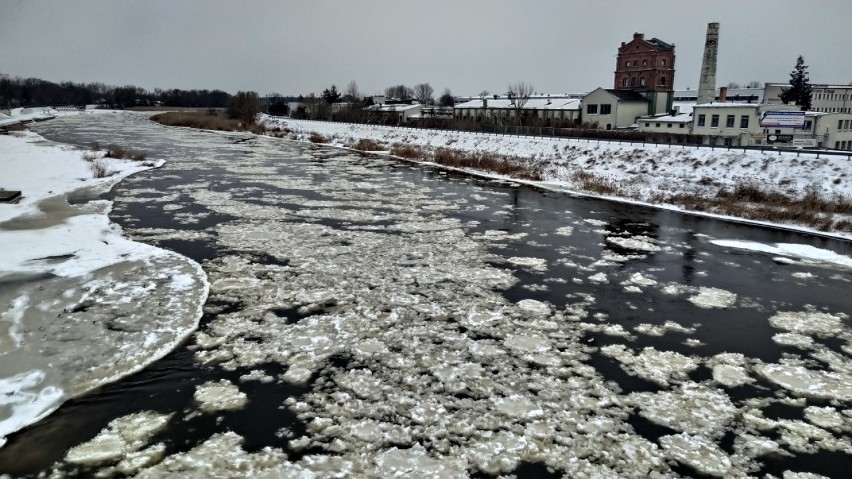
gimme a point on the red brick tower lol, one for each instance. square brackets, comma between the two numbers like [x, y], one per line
[647, 66]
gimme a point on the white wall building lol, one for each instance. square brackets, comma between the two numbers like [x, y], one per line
[824, 98]
[614, 109]
[498, 108]
[680, 124]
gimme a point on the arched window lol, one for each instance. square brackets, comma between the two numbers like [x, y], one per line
[644, 63]
[642, 81]
[662, 80]
[633, 81]
[627, 64]
[624, 82]
[664, 62]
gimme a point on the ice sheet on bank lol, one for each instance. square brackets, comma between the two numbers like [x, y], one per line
[145, 300]
[800, 251]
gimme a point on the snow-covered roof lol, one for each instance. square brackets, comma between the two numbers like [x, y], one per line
[813, 85]
[539, 103]
[727, 104]
[394, 107]
[683, 106]
[680, 118]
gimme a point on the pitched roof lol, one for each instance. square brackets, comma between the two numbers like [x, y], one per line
[627, 95]
[660, 44]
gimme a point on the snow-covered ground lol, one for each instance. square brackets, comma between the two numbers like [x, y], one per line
[640, 173]
[81, 305]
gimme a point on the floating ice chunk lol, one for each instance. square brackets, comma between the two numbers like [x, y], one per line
[698, 453]
[599, 278]
[826, 417]
[709, 298]
[257, 375]
[659, 330]
[527, 343]
[533, 308]
[660, 367]
[534, 264]
[632, 289]
[638, 243]
[223, 456]
[640, 280]
[416, 463]
[692, 408]
[595, 222]
[803, 275]
[793, 339]
[802, 475]
[729, 369]
[120, 439]
[219, 396]
[808, 382]
[518, 406]
[808, 322]
[565, 230]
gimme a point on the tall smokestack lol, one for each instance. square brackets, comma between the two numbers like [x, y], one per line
[707, 82]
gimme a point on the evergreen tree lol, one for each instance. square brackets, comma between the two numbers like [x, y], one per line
[331, 95]
[800, 86]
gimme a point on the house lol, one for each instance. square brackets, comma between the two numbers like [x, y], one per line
[614, 109]
[825, 98]
[501, 109]
[647, 67]
[678, 124]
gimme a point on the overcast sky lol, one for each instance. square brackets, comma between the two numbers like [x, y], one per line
[294, 47]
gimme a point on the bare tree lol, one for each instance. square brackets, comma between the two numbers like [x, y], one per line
[423, 93]
[754, 84]
[352, 94]
[519, 95]
[399, 92]
[484, 93]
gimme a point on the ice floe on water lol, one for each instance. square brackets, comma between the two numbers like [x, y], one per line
[219, 396]
[660, 367]
[121, 444]
[710, 298]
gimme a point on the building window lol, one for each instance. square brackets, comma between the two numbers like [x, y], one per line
[701, 119]
[657, 125]
[729, 141]
[592, 109]
[663, 81]
[606, 109]
[627, 64]
[644, 63]
[714, 121]
[642, 81]
[668, 125]
[681, 125]
[729, 121]
[836, 145]
[846, 125]
[625, 82]
[744, 122]
[839, 124]
[664, 62]
[808, 125]
[633, 81]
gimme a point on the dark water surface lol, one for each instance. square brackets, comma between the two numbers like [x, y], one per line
[222, 165]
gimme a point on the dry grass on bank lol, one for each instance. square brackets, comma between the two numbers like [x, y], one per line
[511, 166]
[407, 151]
[751, 201]
[366, 145]
[317, 138]
[206, 120]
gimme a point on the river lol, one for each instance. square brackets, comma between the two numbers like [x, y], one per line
[369, 317]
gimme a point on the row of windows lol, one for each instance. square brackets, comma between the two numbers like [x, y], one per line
[730, 120]
[632, 81]
[669, 125]
[605, 109]
[644, 63]
[843, 124]
[832, 96]
[843, 145]
[834, 110]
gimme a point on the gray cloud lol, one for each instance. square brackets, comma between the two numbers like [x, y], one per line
[300, 47]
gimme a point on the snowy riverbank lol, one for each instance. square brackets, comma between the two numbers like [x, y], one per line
[648, 174]
[85, 305]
